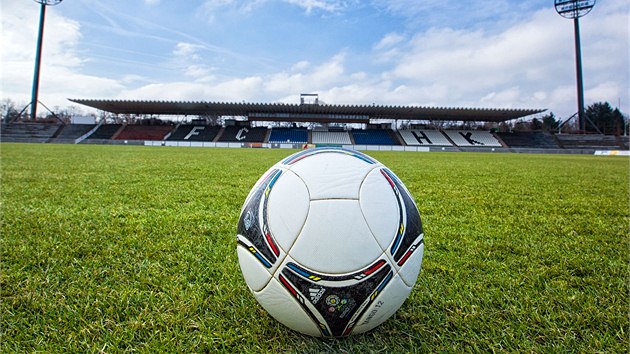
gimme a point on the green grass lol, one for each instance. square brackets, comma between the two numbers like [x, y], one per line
[116, 248]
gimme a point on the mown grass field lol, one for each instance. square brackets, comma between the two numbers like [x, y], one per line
[120, 249]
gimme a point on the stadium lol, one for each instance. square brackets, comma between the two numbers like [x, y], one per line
[310, 124]
[119, 234]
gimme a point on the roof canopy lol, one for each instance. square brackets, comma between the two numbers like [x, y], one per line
[307, 112]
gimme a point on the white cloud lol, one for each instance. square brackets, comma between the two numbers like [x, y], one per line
[220, 91]
[187, 51]
[325, 75]
[210, 9]
[607, 91]
[301, 65]
[199, 72]
[466, 14]
[389, 40]
[528, 64]
[152, 2]
[133, 78]
[322, 5]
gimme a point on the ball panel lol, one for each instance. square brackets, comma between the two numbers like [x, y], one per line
[335, 302]
[287, 209]
[326, 150]
[411, 268]
[279, 303]
[259, 184]
[253, 226]
[255, 275]
[380, 207]
[332, 175]
[410, 219]
[384, 306]
[335, 238]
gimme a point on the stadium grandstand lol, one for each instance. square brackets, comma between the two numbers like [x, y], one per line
[308, 125]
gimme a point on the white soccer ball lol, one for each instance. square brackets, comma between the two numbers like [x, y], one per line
[330, 242]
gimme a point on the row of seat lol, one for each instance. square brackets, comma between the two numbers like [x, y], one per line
[39, 132]
[331, 138]
[288, 135]
[31, 130]
[188, 132]
[541, 140]
[583, 141]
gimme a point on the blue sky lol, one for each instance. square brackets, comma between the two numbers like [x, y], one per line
[448, 53]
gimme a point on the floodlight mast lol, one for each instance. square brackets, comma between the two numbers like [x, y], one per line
[38, 54]
[574, 9]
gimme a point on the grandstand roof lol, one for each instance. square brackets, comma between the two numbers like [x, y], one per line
[308, 112]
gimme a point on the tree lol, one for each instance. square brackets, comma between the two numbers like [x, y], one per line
[621, 122]
[626, 124]
[9, 110]
[603, 118]
[550, 123]
[535, 124]
[520, 126]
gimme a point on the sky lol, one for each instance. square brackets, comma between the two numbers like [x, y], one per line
[446, 53]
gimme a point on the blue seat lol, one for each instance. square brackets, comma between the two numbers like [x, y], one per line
[289, 135]
[372, 137]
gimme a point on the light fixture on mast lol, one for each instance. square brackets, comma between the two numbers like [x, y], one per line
[38, 53]
[574, 9]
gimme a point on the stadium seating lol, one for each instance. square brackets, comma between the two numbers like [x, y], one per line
[472, 138]
[588, 141]
[424, 137]
[331, 138]
[243, 134]
[289, 135]
[28, 132]
[105, 131]
[539, 140]
[373, 137]
[144, 132]
[194, 133]
[71, 132]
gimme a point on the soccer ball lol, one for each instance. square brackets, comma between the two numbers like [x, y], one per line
[330, 242]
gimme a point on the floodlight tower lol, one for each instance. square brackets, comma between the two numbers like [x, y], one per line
[38, 53]
[574, 9]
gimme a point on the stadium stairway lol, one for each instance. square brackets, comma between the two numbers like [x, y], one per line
[103, 134]
[70, 133]
[219, 134]
[396, 138]
[117, 133]
[449, 139]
